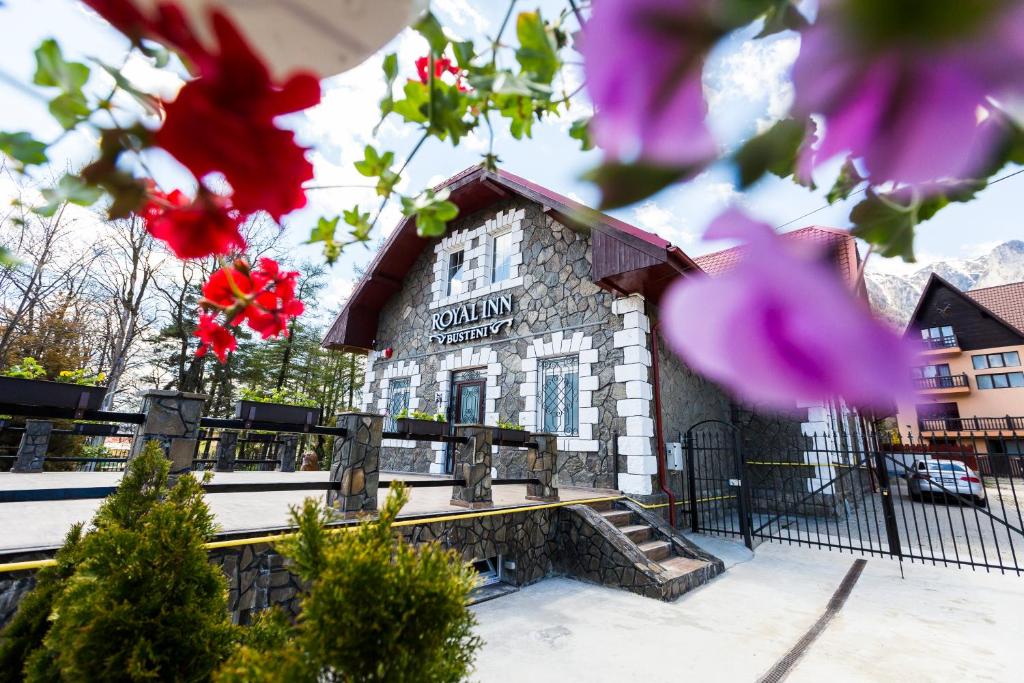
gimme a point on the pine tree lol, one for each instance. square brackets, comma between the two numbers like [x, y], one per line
[136, 597]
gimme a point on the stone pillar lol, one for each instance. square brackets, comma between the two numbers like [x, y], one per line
[355, 469]
[286, 452]
[473, 466]
[542, 465]
[226, 446]
[172, 420]
[34, 443]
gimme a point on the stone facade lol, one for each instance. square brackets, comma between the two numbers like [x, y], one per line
[34, 443]
[356, 464]
[557, 311]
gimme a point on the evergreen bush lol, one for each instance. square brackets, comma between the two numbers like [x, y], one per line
[377, 608]
[136, 597]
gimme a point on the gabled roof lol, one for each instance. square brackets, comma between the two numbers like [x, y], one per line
[1004, 301]
[626, 259]
[840, 244]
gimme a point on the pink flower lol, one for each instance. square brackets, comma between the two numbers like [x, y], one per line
[780, 328]
[904, 95]
[643, 62]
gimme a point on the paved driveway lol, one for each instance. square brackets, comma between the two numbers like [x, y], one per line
[937, 624]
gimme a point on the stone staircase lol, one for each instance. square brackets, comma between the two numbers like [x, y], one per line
[673, 564]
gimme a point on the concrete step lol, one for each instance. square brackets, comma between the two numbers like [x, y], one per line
[618, 517]
[601, 505]
[638, 533]
[655, 550]
[680, 566]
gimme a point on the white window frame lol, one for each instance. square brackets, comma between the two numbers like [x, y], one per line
[462, 270]
[492, 257]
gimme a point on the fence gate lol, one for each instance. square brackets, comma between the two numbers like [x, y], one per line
[937, 501]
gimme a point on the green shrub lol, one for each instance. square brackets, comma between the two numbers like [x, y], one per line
[377, 608]
[28, 368]
[141, 600]
[283, 395]
[419, 415]
[25, 632]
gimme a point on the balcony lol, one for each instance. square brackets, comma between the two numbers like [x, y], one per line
[990, 426]
[941, 346]
[943, 384]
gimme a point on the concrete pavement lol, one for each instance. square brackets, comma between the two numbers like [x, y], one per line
[937, 624]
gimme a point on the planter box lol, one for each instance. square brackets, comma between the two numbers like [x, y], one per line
[279, 413]
[40, 392]
[408, 425]
[510, 435]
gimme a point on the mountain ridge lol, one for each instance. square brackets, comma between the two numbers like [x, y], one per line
[894, 297]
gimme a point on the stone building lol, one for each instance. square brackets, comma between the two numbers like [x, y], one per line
[533, 310]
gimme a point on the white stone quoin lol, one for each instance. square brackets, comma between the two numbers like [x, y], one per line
[637, 444]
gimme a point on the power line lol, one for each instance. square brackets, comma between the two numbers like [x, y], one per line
[864, 189]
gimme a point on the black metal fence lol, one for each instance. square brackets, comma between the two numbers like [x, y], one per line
[951, 500]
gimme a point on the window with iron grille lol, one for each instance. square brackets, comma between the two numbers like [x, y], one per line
[397, 402]
[456, 272]
[560, 395]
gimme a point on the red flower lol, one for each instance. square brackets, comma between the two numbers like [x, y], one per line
[442, 65]
[214, 335]
[193, 229]
[223, 121]
[262, 297]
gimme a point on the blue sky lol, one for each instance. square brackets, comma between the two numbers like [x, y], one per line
[746, 84]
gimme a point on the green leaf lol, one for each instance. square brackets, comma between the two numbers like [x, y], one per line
[432, 211]
[70, 189]
[774, 150]
[373, 163]
[390, 67]
[447, 114]
[464, 53]
[360, 223]
[622, 184]
[324, 230]
[889, 220]
[847, 181]
[7, 259]
[69, 109]
[538, 48]
[414, 107]
[52, 71]
[580, 130]
[430, 28]
[782, 16]
[149, 103]
[22, 147]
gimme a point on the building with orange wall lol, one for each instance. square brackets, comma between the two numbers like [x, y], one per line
[970, 383]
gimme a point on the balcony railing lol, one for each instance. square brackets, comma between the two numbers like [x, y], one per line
[941, 382]
[940, 343]
[971, 424]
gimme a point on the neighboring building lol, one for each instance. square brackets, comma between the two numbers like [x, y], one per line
[971, 381]
[534, 310]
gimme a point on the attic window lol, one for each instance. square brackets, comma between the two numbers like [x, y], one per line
[456, 273]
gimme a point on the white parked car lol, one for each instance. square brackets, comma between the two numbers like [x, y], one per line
[931, 478]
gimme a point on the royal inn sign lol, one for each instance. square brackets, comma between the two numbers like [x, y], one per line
[533, 310]
[473, 312]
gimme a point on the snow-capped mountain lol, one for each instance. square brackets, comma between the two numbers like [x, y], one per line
[894, 296]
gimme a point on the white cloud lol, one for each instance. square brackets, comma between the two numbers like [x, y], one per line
[750, 82]
[659, 220]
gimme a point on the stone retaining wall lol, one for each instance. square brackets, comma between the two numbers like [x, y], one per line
[572, 541]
